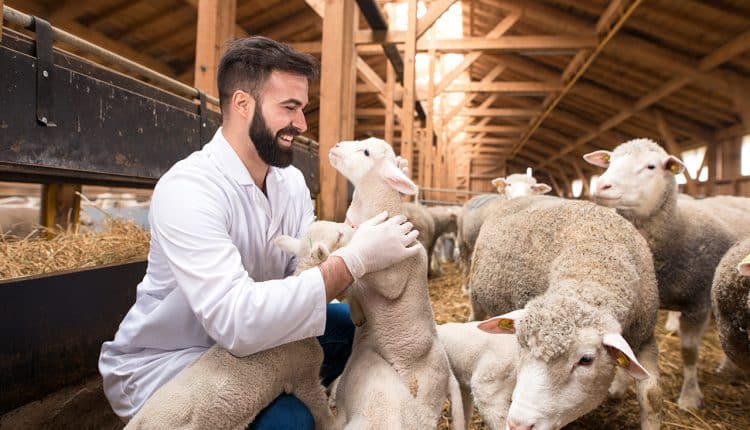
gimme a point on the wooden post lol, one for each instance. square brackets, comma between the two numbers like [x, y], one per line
[674, 149]
[337, 92]
[216, 23]
[430, 118]
[1, 20]
[390, 86]
[410, 54]
[61, 206]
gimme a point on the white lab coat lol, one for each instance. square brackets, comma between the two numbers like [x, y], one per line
[214, 274]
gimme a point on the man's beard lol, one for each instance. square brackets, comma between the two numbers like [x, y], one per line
[265, 141]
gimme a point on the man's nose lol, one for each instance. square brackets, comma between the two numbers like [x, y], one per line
[299, 122]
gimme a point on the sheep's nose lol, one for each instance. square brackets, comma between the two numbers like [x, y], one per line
[515, 426]
[603, 186]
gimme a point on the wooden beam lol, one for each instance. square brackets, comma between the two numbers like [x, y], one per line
[504, 129]
[390, 84]
[500, 112]
[338, 44]
[407, 134]
[61, 206]
[674, 149]
[471, 57]
[216, 23]
[506, 87]
[238, 31]
[734, 47]
[525, 44]
[2, 24]
[436, 9]
[368, 75]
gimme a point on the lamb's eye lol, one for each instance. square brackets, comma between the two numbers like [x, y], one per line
[367, 153]
[586, 360]
[651, 166]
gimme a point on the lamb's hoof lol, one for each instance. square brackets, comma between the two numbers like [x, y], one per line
[690, 401]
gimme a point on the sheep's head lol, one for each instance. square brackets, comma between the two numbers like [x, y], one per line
[519, 185]
[356, 159]
[319, 240]
[569, 351]
[639, 176]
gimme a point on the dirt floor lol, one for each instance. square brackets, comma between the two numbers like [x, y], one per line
[726, 398]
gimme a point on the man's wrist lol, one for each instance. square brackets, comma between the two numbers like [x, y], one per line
[336, 276]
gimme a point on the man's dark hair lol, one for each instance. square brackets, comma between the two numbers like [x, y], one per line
[248, 63]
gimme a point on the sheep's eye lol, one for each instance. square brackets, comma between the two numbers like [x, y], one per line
[367, 153]
[651, 166]
[586, 360]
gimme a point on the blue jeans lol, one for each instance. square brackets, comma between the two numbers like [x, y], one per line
[287, 412]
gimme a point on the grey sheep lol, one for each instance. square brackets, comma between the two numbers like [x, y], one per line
[731, 304]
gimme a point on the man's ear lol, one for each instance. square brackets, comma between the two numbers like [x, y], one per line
[243, 103]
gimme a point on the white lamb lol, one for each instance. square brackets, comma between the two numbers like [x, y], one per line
[398, 329]
[687, 237]
[221, 391]
[485, 367]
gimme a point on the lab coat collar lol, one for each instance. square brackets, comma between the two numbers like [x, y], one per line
[232, 164]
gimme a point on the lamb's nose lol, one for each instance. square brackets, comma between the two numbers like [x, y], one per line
[515, 426]
[603, 186]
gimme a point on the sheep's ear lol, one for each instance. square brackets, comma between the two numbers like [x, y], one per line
[598, 158]
[290, 245]
[541, 188]
[504, 324]
[744, 266]
[620, 351]
[396, 178]
[500, 184]
[320, 251]
[673, 164]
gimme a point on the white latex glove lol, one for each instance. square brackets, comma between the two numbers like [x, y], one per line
[378, 243]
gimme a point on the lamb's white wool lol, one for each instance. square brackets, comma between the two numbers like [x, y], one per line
[687, 237]
[519, 185]
[398, 340]
[220, 390]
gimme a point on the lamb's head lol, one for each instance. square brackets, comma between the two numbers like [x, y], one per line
[358, 159]
[640, 175]
[744, 266]
[569, 351]
[319, 240]
[519, 185]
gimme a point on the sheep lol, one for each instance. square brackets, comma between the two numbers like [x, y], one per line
[445, 219]
[476, 210]
[485, 367]
[687, 237]
[424, 223]
[399, 329]
[576, 284]
[731, 304]
[220, 390]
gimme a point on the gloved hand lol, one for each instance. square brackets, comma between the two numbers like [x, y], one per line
[378, 243]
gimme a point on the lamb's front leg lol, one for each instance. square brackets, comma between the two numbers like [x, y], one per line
[692, 327]
[648, 390]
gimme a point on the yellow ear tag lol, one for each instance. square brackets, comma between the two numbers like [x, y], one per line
[746, 259]
[605, 157]
[622, 360]
[505, 324]
[675, 168]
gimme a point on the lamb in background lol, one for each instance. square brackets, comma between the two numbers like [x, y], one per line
[687, 237]
[731, 304]
[580, 283]
[221, 391]
[399, 328]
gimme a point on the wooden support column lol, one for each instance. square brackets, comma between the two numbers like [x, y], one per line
[337, 92]
[61, 206]
[430, 119]
[1, 20]
[390, 85]
[674, 149]
[410, 53]
[216, 26]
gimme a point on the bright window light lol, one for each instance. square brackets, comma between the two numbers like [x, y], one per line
[681, 180]
[576, 187]
[745, 156]
[693, 160]
[592, 184]
[703, 176]
[529, 171]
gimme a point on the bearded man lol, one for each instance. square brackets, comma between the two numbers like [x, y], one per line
[214, 274]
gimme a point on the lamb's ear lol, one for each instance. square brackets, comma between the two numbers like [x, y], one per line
[499, 184]
[320, 251]
[673, 164]
[541, 188]
[744, 266]
[291, 245]
[396, 178]
[504, 324]
[620, 351]
[598, 158]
